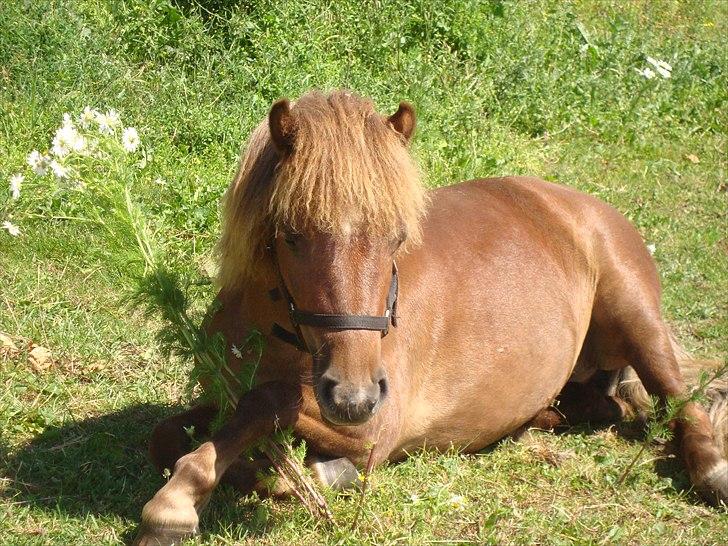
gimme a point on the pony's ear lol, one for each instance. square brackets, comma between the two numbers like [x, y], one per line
[403, 120]
[282, 126]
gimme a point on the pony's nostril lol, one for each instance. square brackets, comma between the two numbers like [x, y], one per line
[383, 386]
[327, 389]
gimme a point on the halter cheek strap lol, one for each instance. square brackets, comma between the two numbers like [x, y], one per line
[300, 318]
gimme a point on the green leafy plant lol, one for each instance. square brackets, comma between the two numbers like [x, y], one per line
[87, 175]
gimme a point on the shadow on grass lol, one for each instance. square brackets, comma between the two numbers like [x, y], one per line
[99, 467]
[667, 464]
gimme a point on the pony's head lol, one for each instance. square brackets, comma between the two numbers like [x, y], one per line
[325, 197]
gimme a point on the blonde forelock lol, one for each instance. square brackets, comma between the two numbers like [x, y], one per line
[348, 169]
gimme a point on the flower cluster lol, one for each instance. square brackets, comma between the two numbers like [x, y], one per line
[92, 134]
[662, 68]
[67, 139]
[12, 228]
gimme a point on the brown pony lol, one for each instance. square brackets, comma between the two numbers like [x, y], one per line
[506, 292]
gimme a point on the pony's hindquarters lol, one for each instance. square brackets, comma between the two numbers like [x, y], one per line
[627, 329]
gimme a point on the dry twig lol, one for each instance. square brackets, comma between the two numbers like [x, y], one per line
[364, 484]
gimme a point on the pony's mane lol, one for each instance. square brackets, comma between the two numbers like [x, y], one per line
[349, 170]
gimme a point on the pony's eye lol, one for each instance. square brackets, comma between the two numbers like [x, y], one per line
[291, 239]
[398, 242]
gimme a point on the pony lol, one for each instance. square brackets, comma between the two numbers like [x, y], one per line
[398, 318]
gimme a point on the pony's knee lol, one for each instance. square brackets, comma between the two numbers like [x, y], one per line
[170, 439]
[546, 419]
[588, 402]
[197, 471]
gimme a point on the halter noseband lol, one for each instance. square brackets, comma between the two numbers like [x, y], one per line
[300, 318]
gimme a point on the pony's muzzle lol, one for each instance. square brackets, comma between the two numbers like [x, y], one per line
[347, 403]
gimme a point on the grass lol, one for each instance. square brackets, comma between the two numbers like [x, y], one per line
[543, 87]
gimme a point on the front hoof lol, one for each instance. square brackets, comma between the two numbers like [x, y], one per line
[147, 536]
[166, 522]
[338, 474]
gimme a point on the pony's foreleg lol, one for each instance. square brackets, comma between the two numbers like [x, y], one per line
[172, 514]
[172, 438]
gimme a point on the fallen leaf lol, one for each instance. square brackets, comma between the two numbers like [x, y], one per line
[692, 158]
[550, 456]
[6, 342]
[40, 358]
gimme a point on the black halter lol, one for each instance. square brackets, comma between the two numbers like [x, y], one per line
[331, 321]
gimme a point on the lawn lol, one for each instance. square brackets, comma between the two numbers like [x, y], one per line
[543, 87]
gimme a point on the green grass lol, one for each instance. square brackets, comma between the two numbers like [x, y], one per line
[543, 87]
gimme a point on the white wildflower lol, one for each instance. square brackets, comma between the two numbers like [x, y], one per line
[237, 352]
[67, 139]
[457, 501]
[108, 122]
[79, 144]
[87, 117]
[113, 116]
[664, 69]
[38, 162]
[12, 228]
[647, 73]
[414, 498]
[34, 159]
[651, 247]
[104, 126]
[62, 142]
[130, 139]
[59, 170]
[15, 182]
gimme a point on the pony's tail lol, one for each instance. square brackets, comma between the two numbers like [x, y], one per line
[631, 390]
